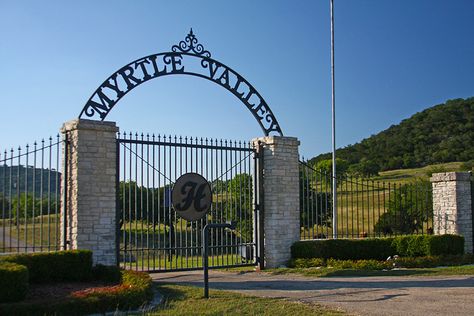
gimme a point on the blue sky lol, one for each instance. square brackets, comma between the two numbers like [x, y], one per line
[393, 59]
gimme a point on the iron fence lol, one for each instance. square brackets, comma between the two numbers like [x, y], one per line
[151, 236]
[365, 207]
[29, 197]
[472, 209]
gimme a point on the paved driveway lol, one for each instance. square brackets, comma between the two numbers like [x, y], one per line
[450, 295]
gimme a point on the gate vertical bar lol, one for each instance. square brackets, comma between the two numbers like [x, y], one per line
[56, 197]
[65, 197]
[4, 165]
[26, 198]
[117, 203]
[17, 187]
[261, 208]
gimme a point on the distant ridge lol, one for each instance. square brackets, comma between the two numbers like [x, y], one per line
[37, 180]
[442, 133]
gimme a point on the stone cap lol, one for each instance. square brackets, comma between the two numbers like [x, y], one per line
[83, 124]
[282, 140]
[450, 176]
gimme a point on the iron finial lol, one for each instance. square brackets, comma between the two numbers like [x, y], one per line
[190, 44]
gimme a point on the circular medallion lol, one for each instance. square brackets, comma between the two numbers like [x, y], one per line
[191, 196]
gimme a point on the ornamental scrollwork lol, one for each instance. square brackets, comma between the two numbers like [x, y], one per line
[190, 44]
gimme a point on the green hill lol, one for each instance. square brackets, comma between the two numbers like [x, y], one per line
[37, 180]
[442, 133]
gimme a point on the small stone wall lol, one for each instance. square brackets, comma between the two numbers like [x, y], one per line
[281, 198]
[91, 188]
[452, 205]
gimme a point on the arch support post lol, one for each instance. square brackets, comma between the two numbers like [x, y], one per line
[281, 216]
[91, 188]
[453, 206]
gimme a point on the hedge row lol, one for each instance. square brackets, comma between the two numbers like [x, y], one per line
[379, 248]
[134, 290]
[13, 282]
[71, 265]
[370, 264]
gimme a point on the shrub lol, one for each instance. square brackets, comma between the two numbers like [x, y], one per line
[359, 264]
[72, 265]
[418, 262]
[379, 248]
[445, 245]
[433, 261]
[13, 282]
[133, 292]
[344, 249]
[400, 262]
[307, 263]
[428, 245]
[410, 246]
[108, 274]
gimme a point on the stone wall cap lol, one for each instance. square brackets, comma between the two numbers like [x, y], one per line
[269, 140]
[451, 176]
[83, 124]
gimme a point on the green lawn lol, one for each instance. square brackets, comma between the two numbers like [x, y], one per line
[188, 300]
[332, 272]
[401, 176]
[180, 262]
[39, 232]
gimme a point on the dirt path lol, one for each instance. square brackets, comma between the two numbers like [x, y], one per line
[450, 295]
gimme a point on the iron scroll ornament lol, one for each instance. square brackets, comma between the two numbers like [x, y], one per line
[186, 58]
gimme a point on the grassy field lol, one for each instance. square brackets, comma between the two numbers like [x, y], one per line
[40, 232]
[361, 202]
[187, 300]
[359, 211]
[402, 176]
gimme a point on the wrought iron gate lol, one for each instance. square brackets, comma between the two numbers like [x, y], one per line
[151, 236]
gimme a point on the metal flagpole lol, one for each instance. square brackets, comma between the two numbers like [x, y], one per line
[333, 110]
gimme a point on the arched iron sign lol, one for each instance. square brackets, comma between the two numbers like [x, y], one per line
[186, 58]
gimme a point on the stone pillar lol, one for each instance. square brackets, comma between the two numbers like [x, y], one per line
[91, 188]
[281, 198]
[452, 211]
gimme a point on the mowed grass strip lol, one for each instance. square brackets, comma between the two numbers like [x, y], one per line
[188, 300]
[401, 176]
[333, 272]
